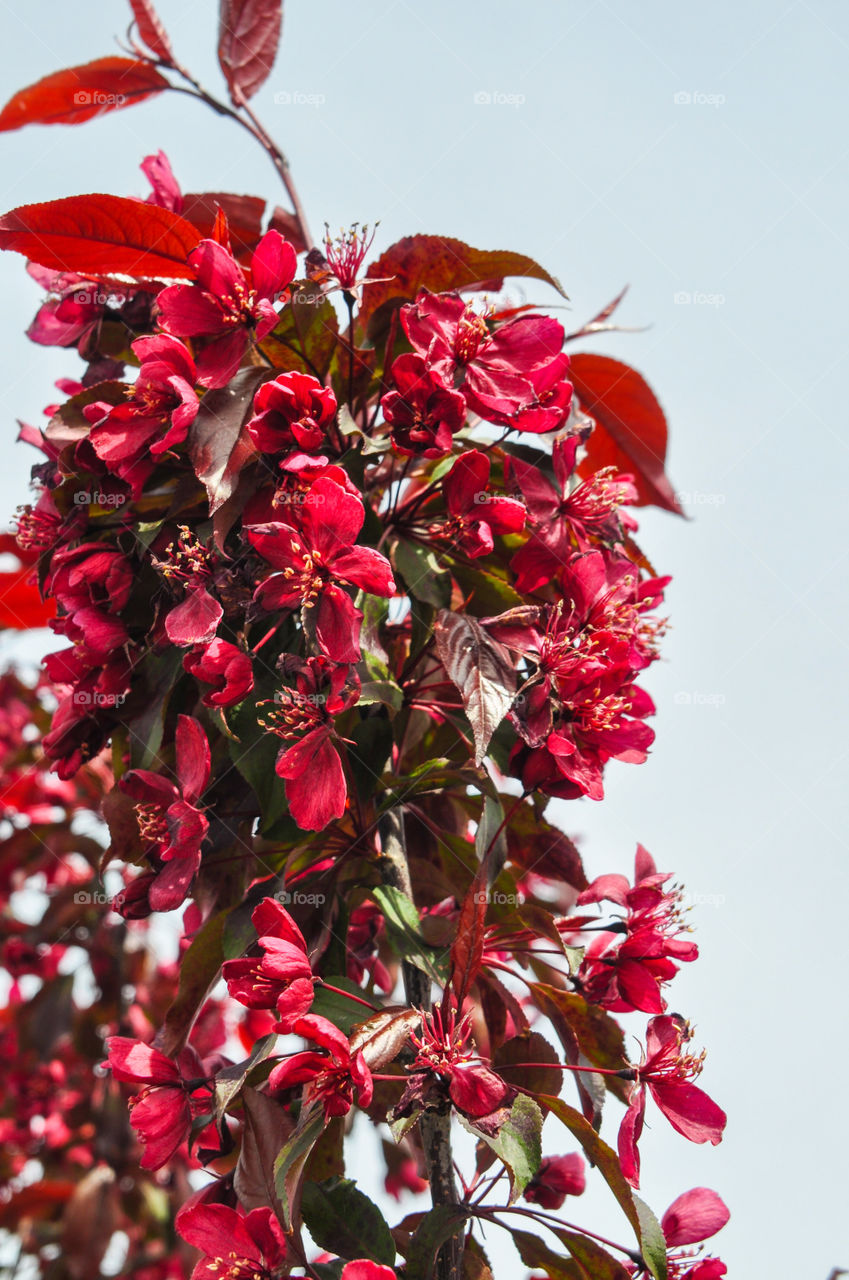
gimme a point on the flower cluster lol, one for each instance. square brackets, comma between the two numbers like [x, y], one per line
[344, 563]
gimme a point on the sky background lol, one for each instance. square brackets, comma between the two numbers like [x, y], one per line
[696, 153]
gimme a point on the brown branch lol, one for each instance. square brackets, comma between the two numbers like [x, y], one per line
[435, 1126]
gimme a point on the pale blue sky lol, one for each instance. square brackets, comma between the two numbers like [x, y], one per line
[590, 157]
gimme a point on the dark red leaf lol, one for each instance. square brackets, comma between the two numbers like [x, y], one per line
[481, 670]
[441, 263]
[288, 226]
[101, 237]
[631, 431]
[218, 444]
[467, 949]
[81, 93]
[248, 36]
[244, 215]
[151, 29]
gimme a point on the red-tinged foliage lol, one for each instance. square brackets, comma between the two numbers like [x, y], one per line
[467, 948]
[102, 237]
[81, 93]
[151, 30]
[248, 36]
[631, 431]
[440, 264]
[343, 607]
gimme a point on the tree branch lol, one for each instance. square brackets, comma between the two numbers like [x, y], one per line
[435, 1126]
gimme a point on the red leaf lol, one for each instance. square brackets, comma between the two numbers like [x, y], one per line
[218, 443]
[81, 93]
[631, 431]
[440, 263]
[151, 29]
[481, 670]
[102, 236]
[467, 949]
[244, 214]
[248, 36]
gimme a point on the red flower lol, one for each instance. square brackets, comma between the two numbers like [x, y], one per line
[626, 971]
[446, 1066]
[195, 620]
[475, 516]
[331, 1078]
[313, 557]
[163, 406]
[422, 412]
[161, 1113]
[92, 574]
[291, 412]
[363, 1269]
[225, 667]
[555, 1179]
[235, 1246]
[227, 305]
[693, 1217]
[168, 816]
[564, 519]
[315, 780]
[281, 979]
[344, 255]
[493, 369]
[667, 1073]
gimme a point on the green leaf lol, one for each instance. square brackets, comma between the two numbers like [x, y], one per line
[403, 929]
[384, 691]
[230, 1081]
[255, 755]
[372, 739]
[289, 1165]
[606, 1160]
[486, 593]
[434, 1229]
[598, 1036]
[424, 577]
[536, 1253]
[652, 1240]
[199, 969]
[340, 1218]
[518, 1143]
[344, 1014]
[591, 1258]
